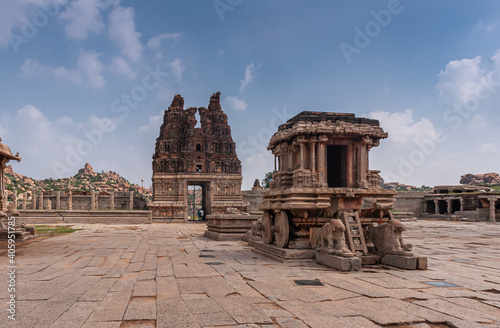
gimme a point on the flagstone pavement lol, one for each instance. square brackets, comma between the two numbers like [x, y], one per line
[168, 275]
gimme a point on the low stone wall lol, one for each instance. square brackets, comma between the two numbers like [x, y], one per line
[254, 198]
[410, 201]
[229, 226]
[82, 216]
[63, 200]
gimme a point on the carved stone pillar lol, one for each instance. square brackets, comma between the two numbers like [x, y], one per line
[70, 200]
[92, 200]
[14, 198]
[461, 204]
[97, 201]
[112, 201]
[131, 205]
[41, 200]
[492, 209]
[33, 198]
[25, 196]
[58, 200]
[425, 208]
[321, 159]
[448, 206]
[313, 157]
[302, 155]
[275, 168]
[436, 206]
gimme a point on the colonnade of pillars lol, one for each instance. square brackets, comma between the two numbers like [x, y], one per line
[283, 157]
[94, 200]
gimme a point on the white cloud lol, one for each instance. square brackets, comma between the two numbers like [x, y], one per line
[236, 103]
[83, 16]
[403, 128]
[487, 147]
[177, 68]
[121, 67]
[13, 15]
[249, 76]
[89, 70]
[464, 80]
[478, 122]
[122, 30]
[155, 42]
[255, 167]
[154, 123]
[42, 141]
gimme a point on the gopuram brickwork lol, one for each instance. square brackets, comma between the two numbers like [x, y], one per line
[203, 156]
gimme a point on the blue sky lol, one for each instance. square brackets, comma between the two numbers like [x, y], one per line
[88, 80]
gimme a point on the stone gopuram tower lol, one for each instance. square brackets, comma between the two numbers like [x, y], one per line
[186, 155]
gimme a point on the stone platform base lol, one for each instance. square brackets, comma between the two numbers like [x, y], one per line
[283, 255]
[223, 236]
[229, 226]
[83, 216]
[405, 262]
[19, 233]
[338, 262]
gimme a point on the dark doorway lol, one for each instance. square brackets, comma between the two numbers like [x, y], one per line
[455, 205]
[443, 207]
[431, 207]
[336, 163]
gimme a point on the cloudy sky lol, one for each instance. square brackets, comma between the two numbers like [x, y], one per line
[88, 80]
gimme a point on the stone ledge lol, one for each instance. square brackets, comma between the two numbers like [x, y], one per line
[283, 255]
[338, 262]
[405, 262]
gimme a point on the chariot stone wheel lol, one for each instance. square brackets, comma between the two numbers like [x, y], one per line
[267, 228]
[282, 229]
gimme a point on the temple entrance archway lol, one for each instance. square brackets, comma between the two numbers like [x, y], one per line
[198, 199]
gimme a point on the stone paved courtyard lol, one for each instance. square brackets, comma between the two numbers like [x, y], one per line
[170, 276]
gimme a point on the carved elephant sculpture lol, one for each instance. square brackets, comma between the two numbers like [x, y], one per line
[332, 239]
[388, 238]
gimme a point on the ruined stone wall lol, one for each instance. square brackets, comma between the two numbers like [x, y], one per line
[409, 201]
[253, 197]
[83, 201]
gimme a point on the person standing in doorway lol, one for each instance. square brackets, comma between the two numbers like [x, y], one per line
[202, 215]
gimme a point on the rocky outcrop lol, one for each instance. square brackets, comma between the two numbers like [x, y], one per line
[87, 169]
[85, 180]
[480, 179]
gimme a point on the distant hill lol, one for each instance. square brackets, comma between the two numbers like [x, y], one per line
[86, 179]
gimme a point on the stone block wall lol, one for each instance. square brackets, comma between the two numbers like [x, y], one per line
[410, 201]
[253, 197]
[83, 201]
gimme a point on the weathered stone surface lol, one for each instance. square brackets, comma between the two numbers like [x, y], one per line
[239, 288]
[398, 261]
[338, 262]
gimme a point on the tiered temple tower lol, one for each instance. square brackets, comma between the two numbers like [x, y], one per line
[188, 155]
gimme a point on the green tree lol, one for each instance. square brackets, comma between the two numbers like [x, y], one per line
[266, 182]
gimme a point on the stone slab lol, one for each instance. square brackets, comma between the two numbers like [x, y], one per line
[398, 261]
[283, 254]
[339, 263]
[220, 236]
